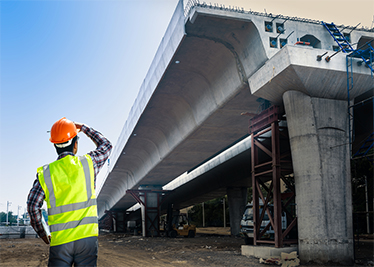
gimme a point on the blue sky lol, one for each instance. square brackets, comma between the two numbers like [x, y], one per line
[86, 60]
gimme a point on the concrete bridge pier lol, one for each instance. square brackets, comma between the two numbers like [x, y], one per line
[318, 130]
[237, 198]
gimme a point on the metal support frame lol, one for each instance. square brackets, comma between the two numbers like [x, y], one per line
[107, 221]
[114, 221]
[275, 164]
[367, 56]
[152, 221]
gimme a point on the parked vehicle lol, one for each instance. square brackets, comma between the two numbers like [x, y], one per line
[246, 224]
[181, 226]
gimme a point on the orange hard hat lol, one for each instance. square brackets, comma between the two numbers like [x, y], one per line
[62, 131]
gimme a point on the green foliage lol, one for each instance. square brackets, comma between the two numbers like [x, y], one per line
[11, 218]
[249, 195]
[213, 213]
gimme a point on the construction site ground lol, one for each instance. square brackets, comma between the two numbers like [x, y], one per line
[210, 247]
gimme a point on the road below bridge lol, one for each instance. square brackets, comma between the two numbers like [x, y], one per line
[210, 247]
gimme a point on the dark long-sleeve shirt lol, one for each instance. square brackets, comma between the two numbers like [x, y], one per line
[36, 196]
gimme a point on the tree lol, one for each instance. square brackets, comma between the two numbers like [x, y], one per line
[213, 213]
[11, 218]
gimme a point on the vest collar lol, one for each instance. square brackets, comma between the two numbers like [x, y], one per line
[64, 154]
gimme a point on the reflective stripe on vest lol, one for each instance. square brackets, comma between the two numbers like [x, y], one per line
[75, 220]
[73, 224]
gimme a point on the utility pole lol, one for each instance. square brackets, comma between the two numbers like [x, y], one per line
[19, 207]
[203, 215]
[367, 206]
[224, 213]
[8, 203]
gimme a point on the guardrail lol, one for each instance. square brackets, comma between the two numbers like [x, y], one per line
[192, 3]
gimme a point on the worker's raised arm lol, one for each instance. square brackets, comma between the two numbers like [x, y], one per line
[78, 125]
[103, 146]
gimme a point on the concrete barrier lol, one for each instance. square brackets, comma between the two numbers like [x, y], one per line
[17, 232]
[266, 252]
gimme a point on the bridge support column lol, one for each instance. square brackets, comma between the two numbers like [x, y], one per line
[150, 198]
[237, 198]
[318, 131]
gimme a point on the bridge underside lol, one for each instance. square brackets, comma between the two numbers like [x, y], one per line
[194, 112]
[210, 68]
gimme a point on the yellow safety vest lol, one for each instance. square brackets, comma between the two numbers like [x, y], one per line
[68, 184]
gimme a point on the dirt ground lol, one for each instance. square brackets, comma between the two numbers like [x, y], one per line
[208, 248]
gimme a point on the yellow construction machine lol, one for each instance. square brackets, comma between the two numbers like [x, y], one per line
[181, 226]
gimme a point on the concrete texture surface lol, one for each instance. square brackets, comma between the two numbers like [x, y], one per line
[318, 130]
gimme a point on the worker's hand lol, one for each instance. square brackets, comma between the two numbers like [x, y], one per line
[78, 125]
[46, 239]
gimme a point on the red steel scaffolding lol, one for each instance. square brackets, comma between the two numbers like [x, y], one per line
[271, 163]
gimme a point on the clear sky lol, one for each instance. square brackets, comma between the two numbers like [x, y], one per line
[86, 60]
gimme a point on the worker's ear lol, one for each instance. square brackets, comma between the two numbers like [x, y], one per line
[75, 147]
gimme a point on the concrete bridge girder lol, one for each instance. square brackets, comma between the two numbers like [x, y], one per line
[194, 99]
[195, 103]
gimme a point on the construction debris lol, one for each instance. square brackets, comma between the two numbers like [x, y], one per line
[271, 261]
[288, 256]
[286, 260]
[291, 263]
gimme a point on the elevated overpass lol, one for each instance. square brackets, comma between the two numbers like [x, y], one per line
[214, 64]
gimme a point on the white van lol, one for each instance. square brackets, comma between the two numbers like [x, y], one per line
[246, 224]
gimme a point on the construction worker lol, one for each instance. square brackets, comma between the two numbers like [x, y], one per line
[68, 187]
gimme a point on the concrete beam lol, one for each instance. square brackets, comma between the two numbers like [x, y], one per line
[296, 68]
[192, 111]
